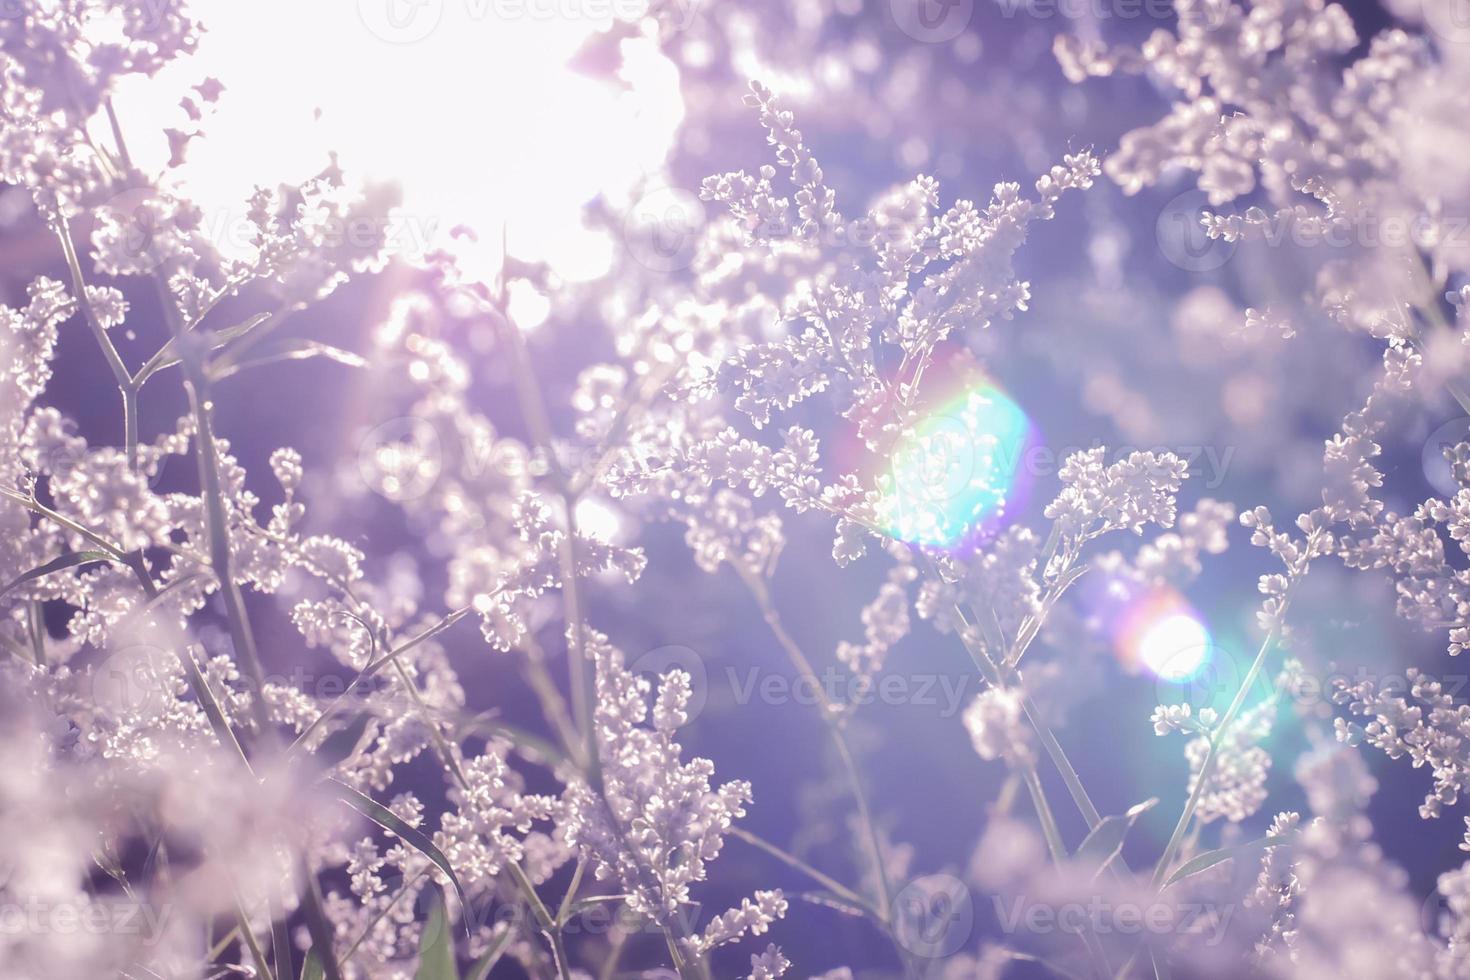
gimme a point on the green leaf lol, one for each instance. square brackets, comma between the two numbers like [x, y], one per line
[340, 744]
[68, 560]
[1106, 839]
[295, 350]
[1209, 859]
[832, 900]
[583, 904]
[212, 710]
[312, 968]
[389, 821]
[540, 750]
[436, 948]
[167, 355]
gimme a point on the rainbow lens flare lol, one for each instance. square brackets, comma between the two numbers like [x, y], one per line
[955, 473]
[1161, 632]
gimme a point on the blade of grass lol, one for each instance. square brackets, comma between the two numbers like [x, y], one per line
[436, 949]
[390, 821]
[59, 563]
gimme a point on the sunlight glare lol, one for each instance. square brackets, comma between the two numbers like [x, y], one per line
[480, 121]
[1174, 647]
[956, 472]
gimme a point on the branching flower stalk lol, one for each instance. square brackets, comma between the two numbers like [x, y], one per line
[768, 374]
[832, 720]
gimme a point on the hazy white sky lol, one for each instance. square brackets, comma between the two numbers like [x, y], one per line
[467, 102]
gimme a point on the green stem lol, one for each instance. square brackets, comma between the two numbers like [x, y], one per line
[38, 633]
[1208, 768]
[821, 878]
[549, 927]
[256, 953]
[830, 719]
[538, 421]
[1058, 849]
[36, 507]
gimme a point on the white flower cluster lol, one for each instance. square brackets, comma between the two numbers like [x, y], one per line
[1427, 726]
[229, 685]
[650, 821]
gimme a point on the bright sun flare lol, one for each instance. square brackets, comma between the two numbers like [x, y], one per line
[1175, 646]
[474, 112]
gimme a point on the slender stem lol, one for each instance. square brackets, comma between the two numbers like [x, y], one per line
[221, 559]
[1064, 765]
[865, 817]
[109, 351]
[368, 929]
[167, 355]
[609, 969]
[554, 706]
[216, 521]
[538, 421]
[549, 927]
[84, 302]
[241, 634]
[441, 744]
[580, 678]
[373, 667]
[821, 878]
[565, 908]
[280, 936]
[1058, 849]
[256, 953]
[830, 719]
[1047, 819]
[117, 136]
[130, 425]
[1031, 628]
[36, 507]
[38, 633]
[428, 634]
[1216, 740]
[1000, 675]
[224, 943]
[1207, 769]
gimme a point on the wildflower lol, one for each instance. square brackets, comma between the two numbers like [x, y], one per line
[997, 728]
